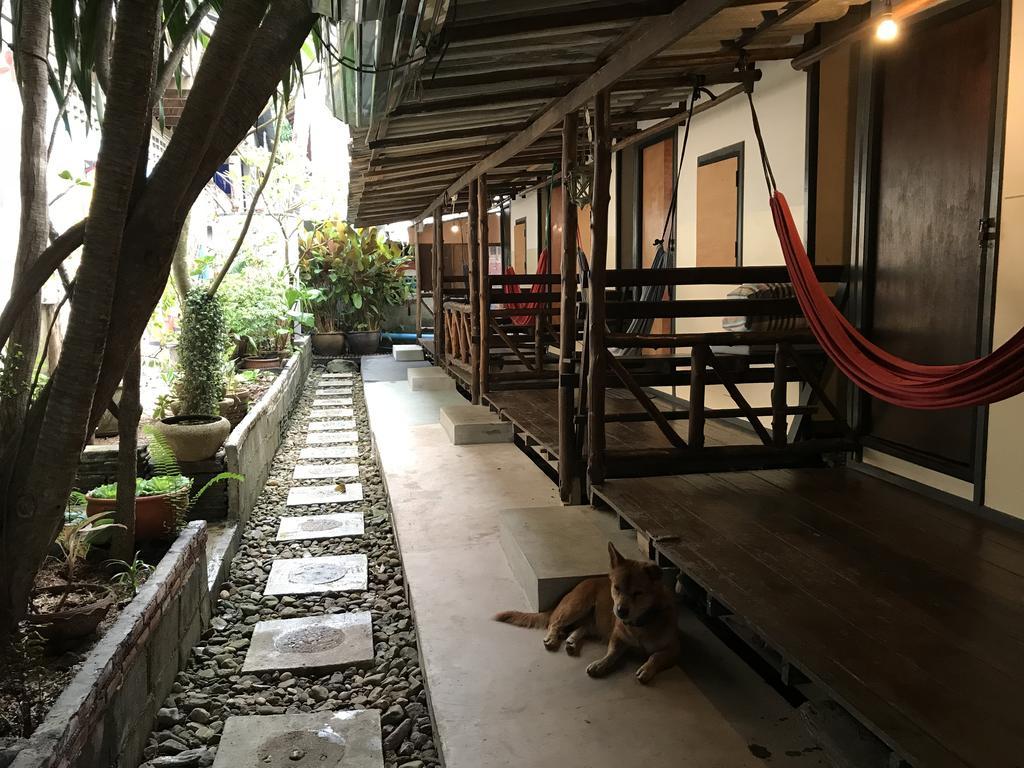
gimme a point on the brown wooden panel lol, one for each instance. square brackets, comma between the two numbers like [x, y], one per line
[717, 212]
[657, 168]
[935, 136]
[519, 248]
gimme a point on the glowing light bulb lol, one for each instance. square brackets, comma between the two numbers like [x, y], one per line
[887, 29]
[455, 227]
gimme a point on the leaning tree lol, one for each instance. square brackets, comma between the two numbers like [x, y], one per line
[128, 240]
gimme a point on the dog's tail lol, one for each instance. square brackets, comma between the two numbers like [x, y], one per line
[521, 619]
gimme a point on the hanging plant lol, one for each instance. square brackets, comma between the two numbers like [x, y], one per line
[200, 350]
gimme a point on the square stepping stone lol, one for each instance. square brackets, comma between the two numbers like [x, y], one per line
[428, 378]
[329, 438]
[331, 413]
[407, 353]
[343, 375]
[312, 575]
[322, 643]
[341, 392]
[323, 426]
[347, 739]
[320, 526]
[325, 471]
[332, 402]
[324, 494]
[474, 424]
[329, 452]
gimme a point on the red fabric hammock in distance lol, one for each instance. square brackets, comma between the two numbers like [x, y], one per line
[515, 290]
[989, 379]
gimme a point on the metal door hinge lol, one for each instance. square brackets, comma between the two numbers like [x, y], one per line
[987, 230]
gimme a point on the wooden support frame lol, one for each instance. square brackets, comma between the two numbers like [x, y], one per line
[484, 289]
[569, 488]
[474, 290]
[598, 263]
[438, 288]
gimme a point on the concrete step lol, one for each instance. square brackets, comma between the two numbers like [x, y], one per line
[428, 378]
[473, 424]
[551, 549]
[340, 739]
[407, 353]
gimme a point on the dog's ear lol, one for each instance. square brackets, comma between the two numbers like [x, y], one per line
[653, 571]
[614, 556]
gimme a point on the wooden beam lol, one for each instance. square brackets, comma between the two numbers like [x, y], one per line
[775, 19]
[601, 197]
[679, 119]
[568, 463]
[451, 135]
[438, 287]
[474, 289]
[484, 290]
[652, 37]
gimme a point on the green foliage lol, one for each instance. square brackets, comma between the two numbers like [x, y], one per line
[130, 576]
[161, 455]
[12, 359]
[254, 310]
[153, 486]
[357, 276]
[76, 539]
[200, 351]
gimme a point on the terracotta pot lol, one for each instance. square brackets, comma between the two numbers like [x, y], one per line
[363, 342]
[155, 516]
[328, 344]
[73, 623]
[195, 437]
[262, 362]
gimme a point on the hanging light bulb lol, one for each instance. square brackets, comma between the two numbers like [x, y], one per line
[887, 29]
[455, 228]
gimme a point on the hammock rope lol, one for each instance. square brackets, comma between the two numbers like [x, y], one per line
[997, 376]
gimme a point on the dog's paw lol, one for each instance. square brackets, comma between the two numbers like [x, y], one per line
[553, 643]
[572, 648]
[645, 674]
[597, 669]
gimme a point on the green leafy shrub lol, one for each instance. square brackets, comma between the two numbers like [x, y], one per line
[200, 351]
[356, 275]
[153, 486]
[253, 309]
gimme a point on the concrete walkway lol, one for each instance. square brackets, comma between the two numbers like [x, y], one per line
[499, 699]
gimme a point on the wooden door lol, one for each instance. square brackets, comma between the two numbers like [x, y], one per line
[519, 247]
[657, 168]
[935, 114]
[718, 210]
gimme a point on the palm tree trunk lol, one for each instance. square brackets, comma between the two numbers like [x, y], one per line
[129, 413]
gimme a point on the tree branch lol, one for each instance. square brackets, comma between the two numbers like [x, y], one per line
[178, 51]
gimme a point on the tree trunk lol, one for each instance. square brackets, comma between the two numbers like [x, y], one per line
[32, 47]
[123, 547]
[179, 263]
[35, 498]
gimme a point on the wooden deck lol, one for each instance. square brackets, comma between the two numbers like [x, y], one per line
[908, 612]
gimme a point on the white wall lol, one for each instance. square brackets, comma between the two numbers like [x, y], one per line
[1003, 487]
[526, 207]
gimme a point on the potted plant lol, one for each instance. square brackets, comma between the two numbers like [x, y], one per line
[253, 311]
[359, 276]
[198, 430]
[70, 611]
[319, 257]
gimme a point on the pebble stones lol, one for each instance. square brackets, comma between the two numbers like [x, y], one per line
[329, 438]
[307, 495]
[329, 452]
[309, 575]
[320, 526]
[325, 643]
[325, 471]
[321, 739]
[326, 426]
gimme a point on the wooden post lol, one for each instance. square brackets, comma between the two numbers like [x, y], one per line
[568, 461]
[485, 286]
[438, 250]
[419, 287]
[698, 369]
[598, 260]
[779, 426]
[474, 300]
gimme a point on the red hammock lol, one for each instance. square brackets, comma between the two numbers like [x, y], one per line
[989, 379]
[513, 289]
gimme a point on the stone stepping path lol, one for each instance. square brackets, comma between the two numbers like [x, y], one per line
[332, 402]
[329, 452]
[331, 438]
[321, 739]
[325, 642]
[308, 495]
[330, 376]
[333, 424]
[334, 388]
[325, 471]
[332, 526]
[331, 413]
[307, 575]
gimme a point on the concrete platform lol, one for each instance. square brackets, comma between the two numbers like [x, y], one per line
[552, 549]
[407, 353]
[325, 471]
[329, 452]
[332, 526]
[499, 699]
[321, 643]
[309, 495]
[313, 575]
[474, 424]
[323, 739]
[386, 368]
[429, 378]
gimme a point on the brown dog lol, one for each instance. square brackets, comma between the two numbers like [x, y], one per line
[630, 608]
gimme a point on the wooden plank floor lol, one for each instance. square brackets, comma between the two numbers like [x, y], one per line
[910, 612]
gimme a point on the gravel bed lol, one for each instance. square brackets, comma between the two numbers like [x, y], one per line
[212, 687]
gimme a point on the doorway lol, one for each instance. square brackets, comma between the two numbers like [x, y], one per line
[933, 121]
[719, 202]
[519, 247]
